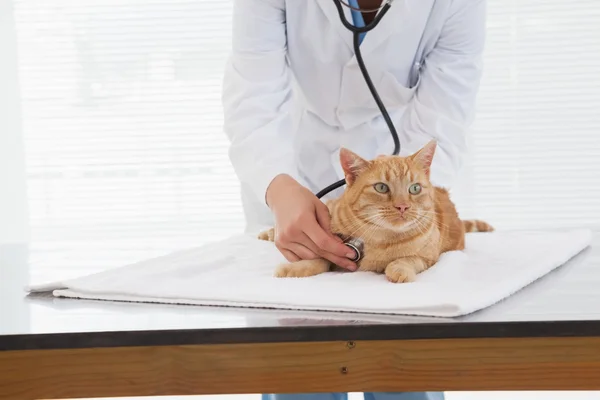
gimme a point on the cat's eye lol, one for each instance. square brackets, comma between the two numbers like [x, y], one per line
[381, 187]
[414, 189]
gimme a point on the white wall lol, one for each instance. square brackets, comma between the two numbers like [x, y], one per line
[13, 199]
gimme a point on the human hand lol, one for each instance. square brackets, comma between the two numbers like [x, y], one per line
[302, 225]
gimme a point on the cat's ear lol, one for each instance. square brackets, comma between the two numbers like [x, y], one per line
[424, 157]
[352, 164]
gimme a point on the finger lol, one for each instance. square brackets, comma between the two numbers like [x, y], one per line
[289, 255]
[323, 217]
[327, 241]
[332, 247]
[302, 251]
[293, 241]
[343, 262]
[324, 220]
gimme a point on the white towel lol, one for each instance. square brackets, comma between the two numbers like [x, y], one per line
[239, 272]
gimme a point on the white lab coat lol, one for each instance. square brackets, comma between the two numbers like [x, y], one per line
[293, 93]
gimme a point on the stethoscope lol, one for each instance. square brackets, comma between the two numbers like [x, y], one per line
[357, 31]
[357, 244]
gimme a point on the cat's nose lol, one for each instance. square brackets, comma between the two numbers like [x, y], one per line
[402, 207]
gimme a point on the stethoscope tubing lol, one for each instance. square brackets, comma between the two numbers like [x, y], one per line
[356, 42]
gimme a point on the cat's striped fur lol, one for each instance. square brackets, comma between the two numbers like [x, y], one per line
[399, 243]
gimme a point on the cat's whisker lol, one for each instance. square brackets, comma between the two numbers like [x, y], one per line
[356, 227]
[428, 242]
[420, 226]
[431, 213]
[436, 221]
[368, 235]
[440, 216]
[372, 223]
[367, 216]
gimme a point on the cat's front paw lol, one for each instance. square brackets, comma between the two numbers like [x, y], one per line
[268, 235]
[289, 271]
[400, 274]
[301, 269]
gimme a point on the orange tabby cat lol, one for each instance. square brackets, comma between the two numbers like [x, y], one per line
[404, 221]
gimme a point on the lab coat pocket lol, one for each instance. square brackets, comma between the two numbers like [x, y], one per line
[393, 93]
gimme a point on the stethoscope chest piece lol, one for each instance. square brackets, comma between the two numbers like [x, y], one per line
[355, 244]
[357, 250]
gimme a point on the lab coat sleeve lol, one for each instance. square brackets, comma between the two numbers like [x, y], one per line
[444, 103]
[256, 96]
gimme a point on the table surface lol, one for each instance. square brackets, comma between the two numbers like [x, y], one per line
[564, 303]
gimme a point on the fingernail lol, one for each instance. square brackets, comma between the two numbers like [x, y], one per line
[352, 267]
[350, 254]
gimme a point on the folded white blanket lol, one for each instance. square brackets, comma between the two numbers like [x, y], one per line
[239, 272]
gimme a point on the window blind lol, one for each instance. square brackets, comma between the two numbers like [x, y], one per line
[535, 145]
[123, 124]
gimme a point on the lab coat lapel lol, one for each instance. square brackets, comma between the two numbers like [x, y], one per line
[399, 17]
[330, 10]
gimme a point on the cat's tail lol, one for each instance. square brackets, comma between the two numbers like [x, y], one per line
[477, 226]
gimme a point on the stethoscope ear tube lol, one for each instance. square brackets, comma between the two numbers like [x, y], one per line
[361, 29]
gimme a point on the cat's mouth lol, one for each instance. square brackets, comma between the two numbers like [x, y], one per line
[397, 221]
[417, 220]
